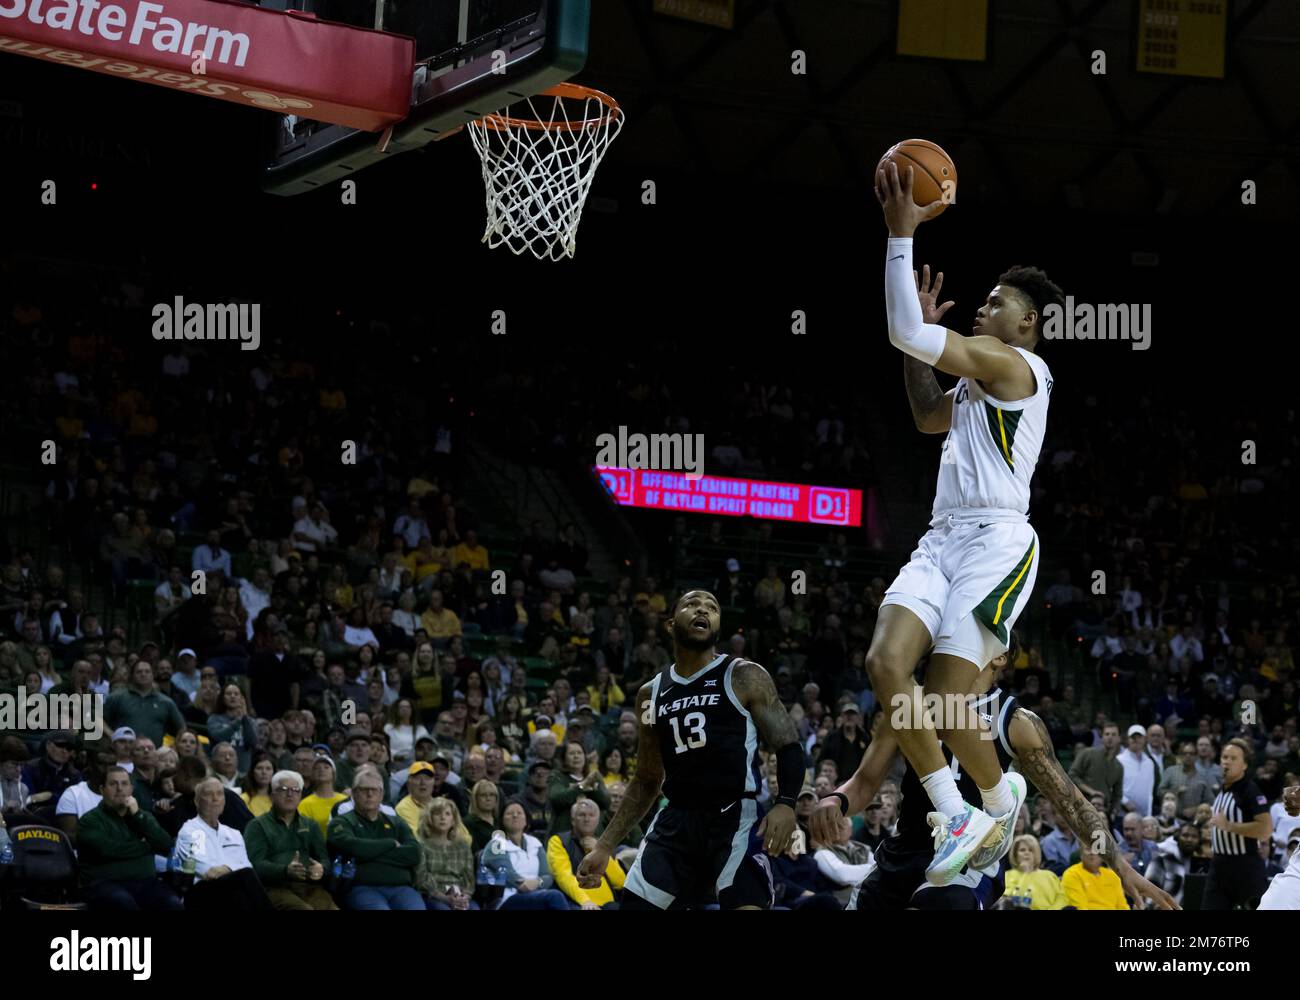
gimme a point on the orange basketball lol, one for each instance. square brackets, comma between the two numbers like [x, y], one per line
[933, 170]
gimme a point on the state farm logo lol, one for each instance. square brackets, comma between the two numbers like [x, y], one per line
[828, 506]
[146, 26]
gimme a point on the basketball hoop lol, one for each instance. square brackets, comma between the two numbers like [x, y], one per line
[537, 171]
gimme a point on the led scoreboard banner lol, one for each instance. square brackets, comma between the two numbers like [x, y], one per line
[658, 490]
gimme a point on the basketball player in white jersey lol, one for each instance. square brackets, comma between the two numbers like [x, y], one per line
[973, 571]
[1284, 891]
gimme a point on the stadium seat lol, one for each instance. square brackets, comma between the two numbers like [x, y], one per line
[43, 875]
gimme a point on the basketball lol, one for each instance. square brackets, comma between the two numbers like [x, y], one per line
[933, 169]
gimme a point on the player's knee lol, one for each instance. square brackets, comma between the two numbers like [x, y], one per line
[884, 666]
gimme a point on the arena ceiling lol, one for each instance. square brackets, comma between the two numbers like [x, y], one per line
[1031, 124]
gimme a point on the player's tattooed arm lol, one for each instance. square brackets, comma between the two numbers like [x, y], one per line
[931, 407]
[755, 690]
[1037, 762]
[643, 790]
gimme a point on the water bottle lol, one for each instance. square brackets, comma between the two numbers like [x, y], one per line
[338, 866]
[186, 848]
[350, 868]
[7, 852]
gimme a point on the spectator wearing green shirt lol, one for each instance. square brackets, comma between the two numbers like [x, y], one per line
[385, 849]
[1098, 771]
[287, 850]
[355, 755]
[446, 873]
[116, 844]
[143, 708]
[568, 785]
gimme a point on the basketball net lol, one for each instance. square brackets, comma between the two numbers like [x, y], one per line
[537, 171]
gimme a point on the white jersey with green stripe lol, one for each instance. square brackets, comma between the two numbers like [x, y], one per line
[992, 445]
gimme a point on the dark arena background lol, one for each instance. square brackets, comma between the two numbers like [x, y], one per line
[379, 512]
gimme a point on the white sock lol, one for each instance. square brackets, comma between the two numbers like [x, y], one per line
[998, 800]
[941, 786]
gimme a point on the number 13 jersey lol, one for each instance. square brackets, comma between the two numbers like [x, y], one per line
[707, 739]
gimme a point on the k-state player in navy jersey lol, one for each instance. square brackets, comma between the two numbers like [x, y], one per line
[897, 879]
[701, 722]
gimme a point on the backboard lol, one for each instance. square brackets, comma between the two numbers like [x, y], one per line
[473, 57]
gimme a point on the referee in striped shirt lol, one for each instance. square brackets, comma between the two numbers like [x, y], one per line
[1239, 822]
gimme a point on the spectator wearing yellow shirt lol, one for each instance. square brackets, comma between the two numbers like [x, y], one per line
[319, 805]
[333, 400]
[1089, 886]
[605, 694]
[565, 851]
[256, 784]
[1028, 885]
[771, 585]
[654, 599]
[471, 552]
[440, 623]
[544, 717]
[423, 561]
[419, 783]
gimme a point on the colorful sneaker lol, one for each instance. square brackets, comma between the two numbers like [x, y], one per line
[956, 840]
[991, 855]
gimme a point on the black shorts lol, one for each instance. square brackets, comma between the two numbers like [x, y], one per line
[1235, 881]
[895, 881]
[695, 856]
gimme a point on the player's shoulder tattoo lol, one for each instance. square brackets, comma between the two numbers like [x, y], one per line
[750, 680]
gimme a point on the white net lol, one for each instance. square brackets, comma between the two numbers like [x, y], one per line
[537, 172]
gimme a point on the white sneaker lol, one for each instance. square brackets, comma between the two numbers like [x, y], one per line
[1006, 825]
[956, 840]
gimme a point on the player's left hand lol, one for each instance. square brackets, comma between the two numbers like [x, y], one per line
[593, 866]
[894, 192]
[824, 823]
[927, 292]
[777, 829]
[1136, 887]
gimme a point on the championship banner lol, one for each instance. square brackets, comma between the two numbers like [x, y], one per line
[1182, 37]
[654, 489]
[941, 29]
[279, 61]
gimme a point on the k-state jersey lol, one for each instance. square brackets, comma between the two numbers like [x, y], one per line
[707, 740]
[992, 446]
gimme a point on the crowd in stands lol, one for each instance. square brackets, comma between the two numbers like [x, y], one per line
[338, 700]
